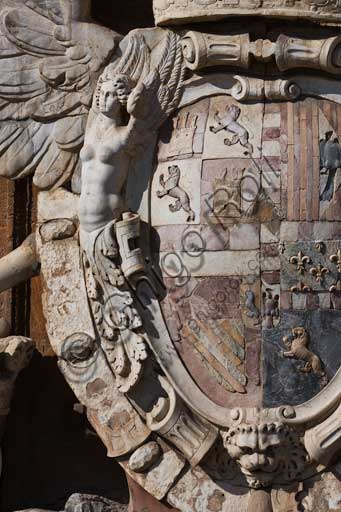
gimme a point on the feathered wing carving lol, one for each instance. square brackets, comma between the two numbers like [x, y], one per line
[158, 93]
[135, 61]
[49, 68]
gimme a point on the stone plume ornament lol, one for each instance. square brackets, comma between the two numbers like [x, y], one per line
[171, 165]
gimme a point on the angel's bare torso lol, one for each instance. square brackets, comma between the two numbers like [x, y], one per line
[105, 165]
[109, 143]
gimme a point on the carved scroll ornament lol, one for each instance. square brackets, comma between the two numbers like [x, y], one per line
[205, 50]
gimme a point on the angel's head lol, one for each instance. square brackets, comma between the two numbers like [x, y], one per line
[112, 93]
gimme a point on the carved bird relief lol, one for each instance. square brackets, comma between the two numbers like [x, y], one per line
[330, 163]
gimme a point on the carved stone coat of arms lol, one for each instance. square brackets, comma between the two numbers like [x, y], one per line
[189, 235]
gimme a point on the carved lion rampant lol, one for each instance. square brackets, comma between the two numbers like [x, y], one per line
[298, 345]
[172, 188]
[229, 122]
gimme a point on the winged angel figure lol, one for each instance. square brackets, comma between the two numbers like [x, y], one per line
[77, 107]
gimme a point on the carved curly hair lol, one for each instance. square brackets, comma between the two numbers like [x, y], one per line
[123, 85]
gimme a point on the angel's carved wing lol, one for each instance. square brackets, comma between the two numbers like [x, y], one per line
[158, 94]
[49, 68]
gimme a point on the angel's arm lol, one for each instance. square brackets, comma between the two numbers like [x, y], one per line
[19, 265]
[139, 106]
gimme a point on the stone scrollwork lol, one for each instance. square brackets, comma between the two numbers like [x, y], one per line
[250, 88]
[317, 54]
[282, 90]
[116, 318]
[324, 441]
[172, 419]
[205, 50]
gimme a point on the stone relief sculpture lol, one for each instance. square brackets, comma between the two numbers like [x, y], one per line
[330, 163]
[229, 122]
[298, 348]
[159, 338]
[172, 188]
[147, 95]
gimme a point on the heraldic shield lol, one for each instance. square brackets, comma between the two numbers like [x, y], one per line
[250, 280]
[190, 253]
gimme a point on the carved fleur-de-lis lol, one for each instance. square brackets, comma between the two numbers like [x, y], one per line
[300, 261]
[335, 288]
[336, 258]
[319, 272]
[300, 288]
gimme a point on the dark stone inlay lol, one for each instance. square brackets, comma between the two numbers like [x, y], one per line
[284, 383]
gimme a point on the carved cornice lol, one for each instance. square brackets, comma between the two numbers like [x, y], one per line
[185, 11]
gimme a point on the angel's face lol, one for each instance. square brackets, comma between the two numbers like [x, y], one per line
[108, 101]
